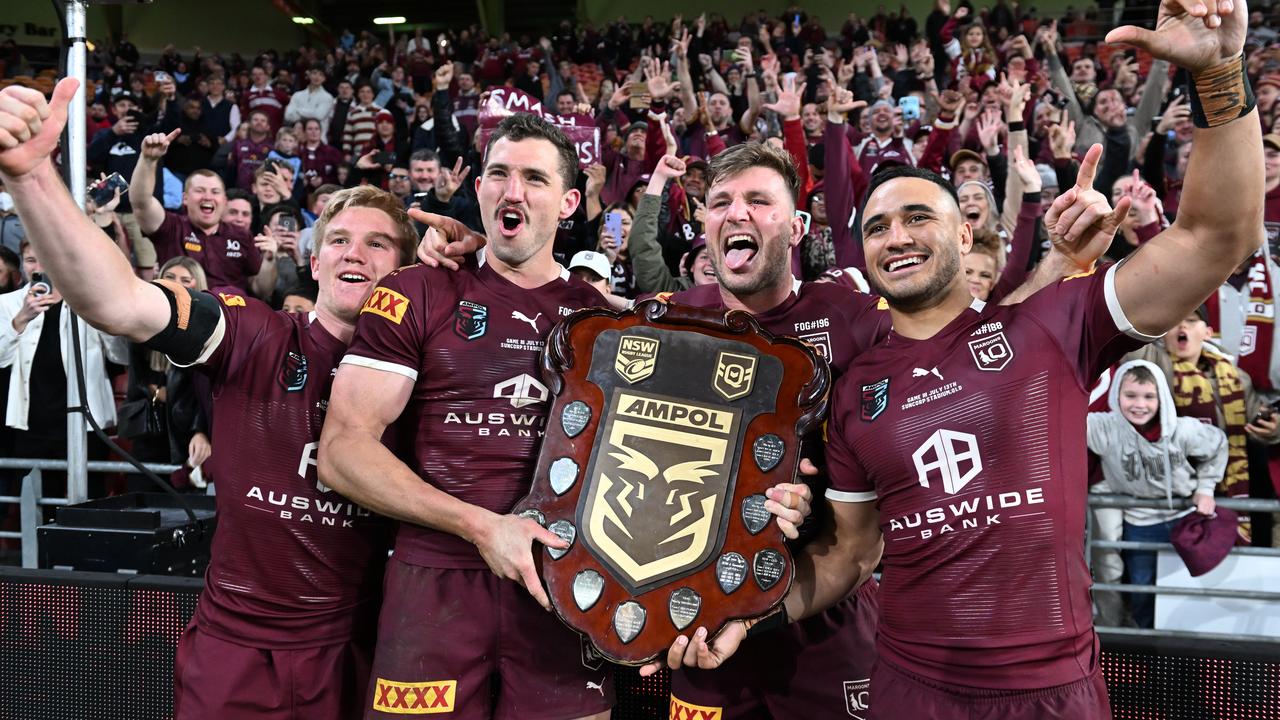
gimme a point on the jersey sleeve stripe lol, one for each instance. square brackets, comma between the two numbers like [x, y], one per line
[1117, 313]
[850, 497]
[210, 345]
[382, 365]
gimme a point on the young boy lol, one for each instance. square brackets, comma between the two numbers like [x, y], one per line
[1149, 452]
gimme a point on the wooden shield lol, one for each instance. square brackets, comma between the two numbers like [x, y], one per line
[668, 424]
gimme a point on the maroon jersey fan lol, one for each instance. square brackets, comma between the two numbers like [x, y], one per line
[227, 254]
[470, 340]
[972, 445]
[294, 565]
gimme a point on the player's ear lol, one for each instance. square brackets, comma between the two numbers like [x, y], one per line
[569, 203]
[966, 239]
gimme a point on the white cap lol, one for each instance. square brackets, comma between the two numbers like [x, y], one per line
[593, 261]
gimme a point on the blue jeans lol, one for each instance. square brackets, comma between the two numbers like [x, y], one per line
[1141, 565]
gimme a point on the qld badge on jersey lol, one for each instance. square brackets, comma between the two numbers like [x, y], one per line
[668, 425]
[991, 353]
[470, 320]
[293, 372]
[875, 398]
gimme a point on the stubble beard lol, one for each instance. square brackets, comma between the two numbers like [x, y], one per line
[775, 265]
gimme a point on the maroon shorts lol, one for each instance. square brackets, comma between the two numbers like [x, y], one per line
[469, 643]
[905, 695]
[214, 678]
[816, 668]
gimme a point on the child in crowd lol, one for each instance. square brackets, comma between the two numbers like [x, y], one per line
[285, 150]
[1149, 452]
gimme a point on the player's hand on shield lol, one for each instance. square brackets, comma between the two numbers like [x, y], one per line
[506, 544]
[697, 652]
[446, 240]
[1081, 223]
[791, 503]
[30, 125]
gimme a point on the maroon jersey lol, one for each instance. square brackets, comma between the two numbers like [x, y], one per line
[294, 563]
[832, 318]
[972, 444]
[227, 254]
[321, 161]
[470, 340]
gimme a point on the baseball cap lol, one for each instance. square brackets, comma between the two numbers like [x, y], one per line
[1272, 80]
[593, 261]
[637, 125]
[965, 154]
[123, 95]
[1048, 177]
[1271, 140]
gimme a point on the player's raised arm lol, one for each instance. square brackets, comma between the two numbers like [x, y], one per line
[88, 269]
[1220, 214]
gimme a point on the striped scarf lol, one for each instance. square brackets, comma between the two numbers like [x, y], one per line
[1199, 389]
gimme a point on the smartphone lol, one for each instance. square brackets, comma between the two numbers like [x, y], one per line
[288, 223]
[910, 105]
[40, 284]
[104, 190]
[386, 157]
[613, 226]
[136, 115]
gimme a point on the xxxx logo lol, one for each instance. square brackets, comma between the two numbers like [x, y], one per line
[423, 698]
[231, 300]
[387, 303]
[681, 710]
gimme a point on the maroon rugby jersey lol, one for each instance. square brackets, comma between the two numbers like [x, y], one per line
[972, 444]
[471, 341]
[833, 318]
[228, 255]
[294, 564]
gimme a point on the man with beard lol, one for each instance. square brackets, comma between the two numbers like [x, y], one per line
[283, 629]
[882, 145]
[958, 441]
[451, 360]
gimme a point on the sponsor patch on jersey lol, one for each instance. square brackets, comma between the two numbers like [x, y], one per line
[470, 320]
[681, 710]
[636, 358]
[875, 398]
[386, 303]
[857, 697]
[231, 300]
[735, 375]
[293, 372]
[192, 247]
[991, 353]
[420, 698]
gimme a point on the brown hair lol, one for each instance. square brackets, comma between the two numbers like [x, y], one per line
[527, 126]
[740, 158]
[1139, 373]
[202, 172]
[986, 242]
[371, 197]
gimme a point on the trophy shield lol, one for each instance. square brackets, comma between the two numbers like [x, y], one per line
[668, 424]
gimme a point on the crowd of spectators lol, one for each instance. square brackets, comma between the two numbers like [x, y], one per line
[1000, 100]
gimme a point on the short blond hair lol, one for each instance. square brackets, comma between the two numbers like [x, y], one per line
[378, 199]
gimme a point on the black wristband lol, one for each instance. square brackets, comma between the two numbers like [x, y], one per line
[1017, 125]
[1226, 101]
[773, 621]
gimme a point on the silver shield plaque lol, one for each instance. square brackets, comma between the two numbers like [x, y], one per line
[767, 451]
[731, 570]
[628, 620]
[587, 587]
[575, 417]
[562, 475]
[565, 531]
[683, 607]
[754, 516]
[768, 567]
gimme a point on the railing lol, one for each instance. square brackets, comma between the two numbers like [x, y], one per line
[31, 498]
[1097, 501]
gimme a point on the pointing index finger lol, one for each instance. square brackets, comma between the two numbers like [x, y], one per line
[1089, 168]
[173, 135]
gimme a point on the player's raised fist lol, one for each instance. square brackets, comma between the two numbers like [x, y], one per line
[155, 145]
[30, 125]
[1194, 34]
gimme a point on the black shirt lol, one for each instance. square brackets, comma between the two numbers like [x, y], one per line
[47, 411]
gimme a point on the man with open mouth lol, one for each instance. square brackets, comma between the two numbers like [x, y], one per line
[284, 627]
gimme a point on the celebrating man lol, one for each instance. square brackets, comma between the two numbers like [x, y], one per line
[284, 626]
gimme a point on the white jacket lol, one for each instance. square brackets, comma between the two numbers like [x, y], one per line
[1190, 456]
[19, 350]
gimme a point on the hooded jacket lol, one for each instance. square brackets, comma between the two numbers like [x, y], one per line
[1190, 456]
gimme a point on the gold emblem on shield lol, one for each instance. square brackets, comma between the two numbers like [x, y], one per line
[735, 375]
[636, 357]
[661, 481]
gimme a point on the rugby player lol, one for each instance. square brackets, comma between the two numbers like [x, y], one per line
[959, 440]
[284, 628]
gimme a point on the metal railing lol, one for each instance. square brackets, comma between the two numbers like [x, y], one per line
[1099, 501]
[31, 496]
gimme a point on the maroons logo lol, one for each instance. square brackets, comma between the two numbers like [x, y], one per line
[735, 374]
[636, 358]
[470, 320]
[659, 481]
